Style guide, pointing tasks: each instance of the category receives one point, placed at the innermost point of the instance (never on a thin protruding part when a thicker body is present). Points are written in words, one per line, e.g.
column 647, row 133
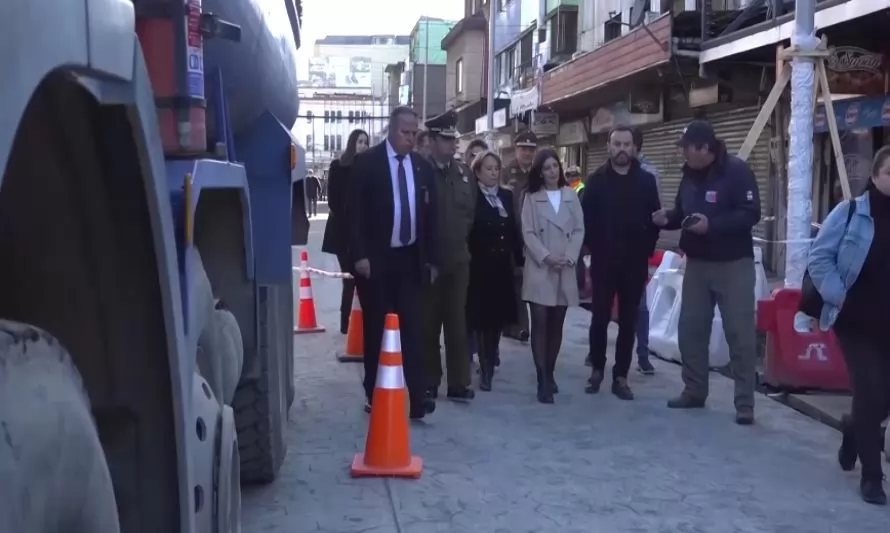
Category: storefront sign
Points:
column 500, row 120
column 545, row 124
column 570, row 133
column 624, row 114
column 710, row 94
column 854, row 70
column 855, row 113
column 525, row 100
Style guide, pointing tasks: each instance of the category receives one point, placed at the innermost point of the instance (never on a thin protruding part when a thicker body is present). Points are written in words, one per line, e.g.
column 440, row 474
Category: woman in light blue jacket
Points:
column 849, row 264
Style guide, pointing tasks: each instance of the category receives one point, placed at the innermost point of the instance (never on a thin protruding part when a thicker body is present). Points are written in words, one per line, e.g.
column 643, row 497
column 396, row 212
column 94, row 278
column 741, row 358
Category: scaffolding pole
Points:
column 800, row 143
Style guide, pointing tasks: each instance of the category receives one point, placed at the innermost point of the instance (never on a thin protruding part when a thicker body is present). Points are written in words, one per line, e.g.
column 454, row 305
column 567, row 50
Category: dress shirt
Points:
column 391, row 154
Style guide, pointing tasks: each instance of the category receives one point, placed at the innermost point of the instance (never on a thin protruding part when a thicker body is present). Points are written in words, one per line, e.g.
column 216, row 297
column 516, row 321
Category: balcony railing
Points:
column 720, row 18
column 523, row 76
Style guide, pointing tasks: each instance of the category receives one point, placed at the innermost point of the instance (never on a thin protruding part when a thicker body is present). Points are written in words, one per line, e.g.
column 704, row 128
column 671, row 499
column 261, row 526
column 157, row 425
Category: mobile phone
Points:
column 690, row 221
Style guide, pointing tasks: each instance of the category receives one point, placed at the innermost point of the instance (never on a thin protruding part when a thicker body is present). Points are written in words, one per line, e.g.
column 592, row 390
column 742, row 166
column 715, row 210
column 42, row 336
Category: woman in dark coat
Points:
column 335, row 233
column 496, row 255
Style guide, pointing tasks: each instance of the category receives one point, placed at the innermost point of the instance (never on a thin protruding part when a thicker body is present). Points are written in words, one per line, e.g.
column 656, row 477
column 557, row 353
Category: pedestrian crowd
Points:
column 469, row 249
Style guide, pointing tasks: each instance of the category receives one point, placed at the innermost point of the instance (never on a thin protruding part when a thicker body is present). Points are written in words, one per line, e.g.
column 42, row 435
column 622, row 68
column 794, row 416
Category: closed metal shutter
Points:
column 596, row 153
column 660, row 147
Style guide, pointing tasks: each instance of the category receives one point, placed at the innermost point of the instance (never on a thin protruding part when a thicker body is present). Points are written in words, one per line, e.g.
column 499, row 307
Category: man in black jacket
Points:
column 717, row 204
column 393, row 241
column 619, row 199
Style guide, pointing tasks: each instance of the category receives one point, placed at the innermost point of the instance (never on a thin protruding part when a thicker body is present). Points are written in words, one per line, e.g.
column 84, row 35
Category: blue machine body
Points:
column 251, row 86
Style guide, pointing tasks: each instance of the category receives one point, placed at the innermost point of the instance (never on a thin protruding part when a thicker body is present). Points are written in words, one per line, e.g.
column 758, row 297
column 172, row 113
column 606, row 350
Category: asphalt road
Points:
column 587, row 464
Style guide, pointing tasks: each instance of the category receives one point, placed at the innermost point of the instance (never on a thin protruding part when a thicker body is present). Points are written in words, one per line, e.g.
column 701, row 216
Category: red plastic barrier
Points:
column 810, row 360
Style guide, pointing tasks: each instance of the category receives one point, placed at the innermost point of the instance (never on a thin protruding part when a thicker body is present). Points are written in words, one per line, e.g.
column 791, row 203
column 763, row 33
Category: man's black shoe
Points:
column 685, row 401
column 461, row 393
column 368, row 406
column 872, row 491
column 594, row 382
column 621, row 390
column 744, row 417
column 523, row 335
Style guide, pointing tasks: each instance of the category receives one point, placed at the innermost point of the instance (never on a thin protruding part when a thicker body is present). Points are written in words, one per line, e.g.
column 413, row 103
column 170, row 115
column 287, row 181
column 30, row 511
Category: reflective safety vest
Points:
column 579, row 186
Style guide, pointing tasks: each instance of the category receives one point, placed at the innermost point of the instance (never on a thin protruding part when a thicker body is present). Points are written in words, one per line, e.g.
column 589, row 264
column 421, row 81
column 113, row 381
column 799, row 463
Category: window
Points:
column 309, row 116
column 327, row 116
column 459, row 76
column 327, row 143
column 339, row 143
column 612, row 28
column 351, row 117
column 565, row 32
column 309, row 142
column 339, row 116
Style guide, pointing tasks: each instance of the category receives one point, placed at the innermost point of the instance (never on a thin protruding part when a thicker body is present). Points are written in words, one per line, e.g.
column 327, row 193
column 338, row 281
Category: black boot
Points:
column 551, row 373
column 486, row 373
column 545, row 391
column 846, row 455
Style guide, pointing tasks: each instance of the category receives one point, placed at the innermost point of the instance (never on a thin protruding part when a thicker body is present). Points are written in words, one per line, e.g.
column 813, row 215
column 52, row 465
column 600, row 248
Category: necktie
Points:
column 405, row 219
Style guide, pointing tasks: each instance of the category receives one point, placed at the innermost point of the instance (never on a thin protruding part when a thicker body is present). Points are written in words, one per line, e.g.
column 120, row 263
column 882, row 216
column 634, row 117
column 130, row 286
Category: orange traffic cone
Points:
column 306, row 322
column 388, row 448
column 355, row 342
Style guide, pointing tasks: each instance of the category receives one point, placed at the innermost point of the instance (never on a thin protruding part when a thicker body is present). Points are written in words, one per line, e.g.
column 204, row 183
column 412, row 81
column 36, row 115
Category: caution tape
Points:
column 323, row 273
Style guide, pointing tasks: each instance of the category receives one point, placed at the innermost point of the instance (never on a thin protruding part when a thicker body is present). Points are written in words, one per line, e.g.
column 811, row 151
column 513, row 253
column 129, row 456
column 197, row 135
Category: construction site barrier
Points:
column 665, row 293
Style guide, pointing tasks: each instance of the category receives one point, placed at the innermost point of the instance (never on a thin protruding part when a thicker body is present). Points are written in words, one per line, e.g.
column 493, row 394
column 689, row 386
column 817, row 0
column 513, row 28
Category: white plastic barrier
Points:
column 664, row 313
column 670, row 261
column 665, row 299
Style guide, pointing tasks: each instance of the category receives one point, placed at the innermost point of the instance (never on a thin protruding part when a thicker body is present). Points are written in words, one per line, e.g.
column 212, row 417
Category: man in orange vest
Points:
column 575, row 179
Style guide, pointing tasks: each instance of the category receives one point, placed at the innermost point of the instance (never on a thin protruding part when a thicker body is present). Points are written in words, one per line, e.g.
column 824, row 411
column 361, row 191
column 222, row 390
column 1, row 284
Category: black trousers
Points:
column 625, row 280
column 868, row 363
column 313, row 206
column 348, row 290
column 394, row 287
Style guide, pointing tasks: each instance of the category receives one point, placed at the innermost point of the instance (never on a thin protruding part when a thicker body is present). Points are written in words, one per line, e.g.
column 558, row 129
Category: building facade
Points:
column 427, row 60
column 326, row 121
column 347, row 87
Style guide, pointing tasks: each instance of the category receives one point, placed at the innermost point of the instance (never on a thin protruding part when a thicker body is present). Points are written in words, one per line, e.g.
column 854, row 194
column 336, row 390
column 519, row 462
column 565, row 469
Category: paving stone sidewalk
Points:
column 587, row 464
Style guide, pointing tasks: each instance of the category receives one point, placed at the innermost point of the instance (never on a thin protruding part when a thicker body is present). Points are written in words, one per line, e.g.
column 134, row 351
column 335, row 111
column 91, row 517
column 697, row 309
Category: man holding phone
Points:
column 717, row 205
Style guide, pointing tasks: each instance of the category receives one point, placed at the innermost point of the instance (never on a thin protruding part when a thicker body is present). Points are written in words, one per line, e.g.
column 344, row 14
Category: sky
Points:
column 368, row 17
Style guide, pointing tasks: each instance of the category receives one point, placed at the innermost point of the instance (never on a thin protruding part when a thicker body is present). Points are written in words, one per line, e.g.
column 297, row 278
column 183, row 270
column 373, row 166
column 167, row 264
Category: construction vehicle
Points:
column 151, row 192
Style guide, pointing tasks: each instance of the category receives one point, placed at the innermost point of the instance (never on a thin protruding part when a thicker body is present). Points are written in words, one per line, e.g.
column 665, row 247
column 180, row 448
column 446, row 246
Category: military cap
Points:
column 573, row 170
column 443, row 125
column 525, row 139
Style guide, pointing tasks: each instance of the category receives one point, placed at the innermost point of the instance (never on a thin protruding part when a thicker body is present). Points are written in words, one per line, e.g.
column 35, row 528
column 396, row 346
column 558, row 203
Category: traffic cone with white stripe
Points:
column 388, row 447
column 306, row 321
column 355, row 340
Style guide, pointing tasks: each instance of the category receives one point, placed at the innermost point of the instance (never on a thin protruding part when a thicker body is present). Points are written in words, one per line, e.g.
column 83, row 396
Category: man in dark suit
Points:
column 393, row 243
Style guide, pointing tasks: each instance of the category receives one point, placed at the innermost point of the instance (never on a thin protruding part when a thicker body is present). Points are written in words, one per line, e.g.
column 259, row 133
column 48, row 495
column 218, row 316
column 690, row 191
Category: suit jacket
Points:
column 547, row 232
column 336, row 233
column 372, row 208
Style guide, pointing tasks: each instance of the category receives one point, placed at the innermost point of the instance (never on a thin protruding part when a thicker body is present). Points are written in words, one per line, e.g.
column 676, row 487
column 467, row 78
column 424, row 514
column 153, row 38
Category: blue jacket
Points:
column 730, row 198
column 838, row 253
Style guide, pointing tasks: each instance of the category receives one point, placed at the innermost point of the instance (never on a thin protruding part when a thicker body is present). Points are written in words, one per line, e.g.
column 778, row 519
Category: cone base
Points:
column 360, row 469
column 316, row 329
column 350, row 357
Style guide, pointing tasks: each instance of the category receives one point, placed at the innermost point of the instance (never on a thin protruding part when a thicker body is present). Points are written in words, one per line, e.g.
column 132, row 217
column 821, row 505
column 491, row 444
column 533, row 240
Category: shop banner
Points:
column 855, row 113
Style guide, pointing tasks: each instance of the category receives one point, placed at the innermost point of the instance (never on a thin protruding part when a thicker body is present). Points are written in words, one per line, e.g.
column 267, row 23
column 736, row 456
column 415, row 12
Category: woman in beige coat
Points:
column 553, row 231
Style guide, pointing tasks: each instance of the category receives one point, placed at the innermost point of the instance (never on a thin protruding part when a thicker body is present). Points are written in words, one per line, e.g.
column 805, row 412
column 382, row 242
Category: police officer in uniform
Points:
column 514, row 176
column 444, row 304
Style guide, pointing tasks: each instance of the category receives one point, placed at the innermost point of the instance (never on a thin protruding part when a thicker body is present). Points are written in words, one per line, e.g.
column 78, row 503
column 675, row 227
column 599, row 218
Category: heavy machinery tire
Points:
column 260, row 404
column 53, row 470
column 221, row 354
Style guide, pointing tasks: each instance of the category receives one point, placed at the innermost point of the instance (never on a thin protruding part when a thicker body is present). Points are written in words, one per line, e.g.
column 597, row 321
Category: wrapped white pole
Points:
column 490, row 88
column 800, row 149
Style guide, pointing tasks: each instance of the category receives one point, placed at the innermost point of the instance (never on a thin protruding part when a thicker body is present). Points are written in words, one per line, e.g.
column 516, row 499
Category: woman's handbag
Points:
column 811, row 301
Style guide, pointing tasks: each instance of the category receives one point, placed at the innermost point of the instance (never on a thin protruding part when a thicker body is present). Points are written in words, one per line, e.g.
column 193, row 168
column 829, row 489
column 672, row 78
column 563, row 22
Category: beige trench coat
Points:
column 546, row 232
